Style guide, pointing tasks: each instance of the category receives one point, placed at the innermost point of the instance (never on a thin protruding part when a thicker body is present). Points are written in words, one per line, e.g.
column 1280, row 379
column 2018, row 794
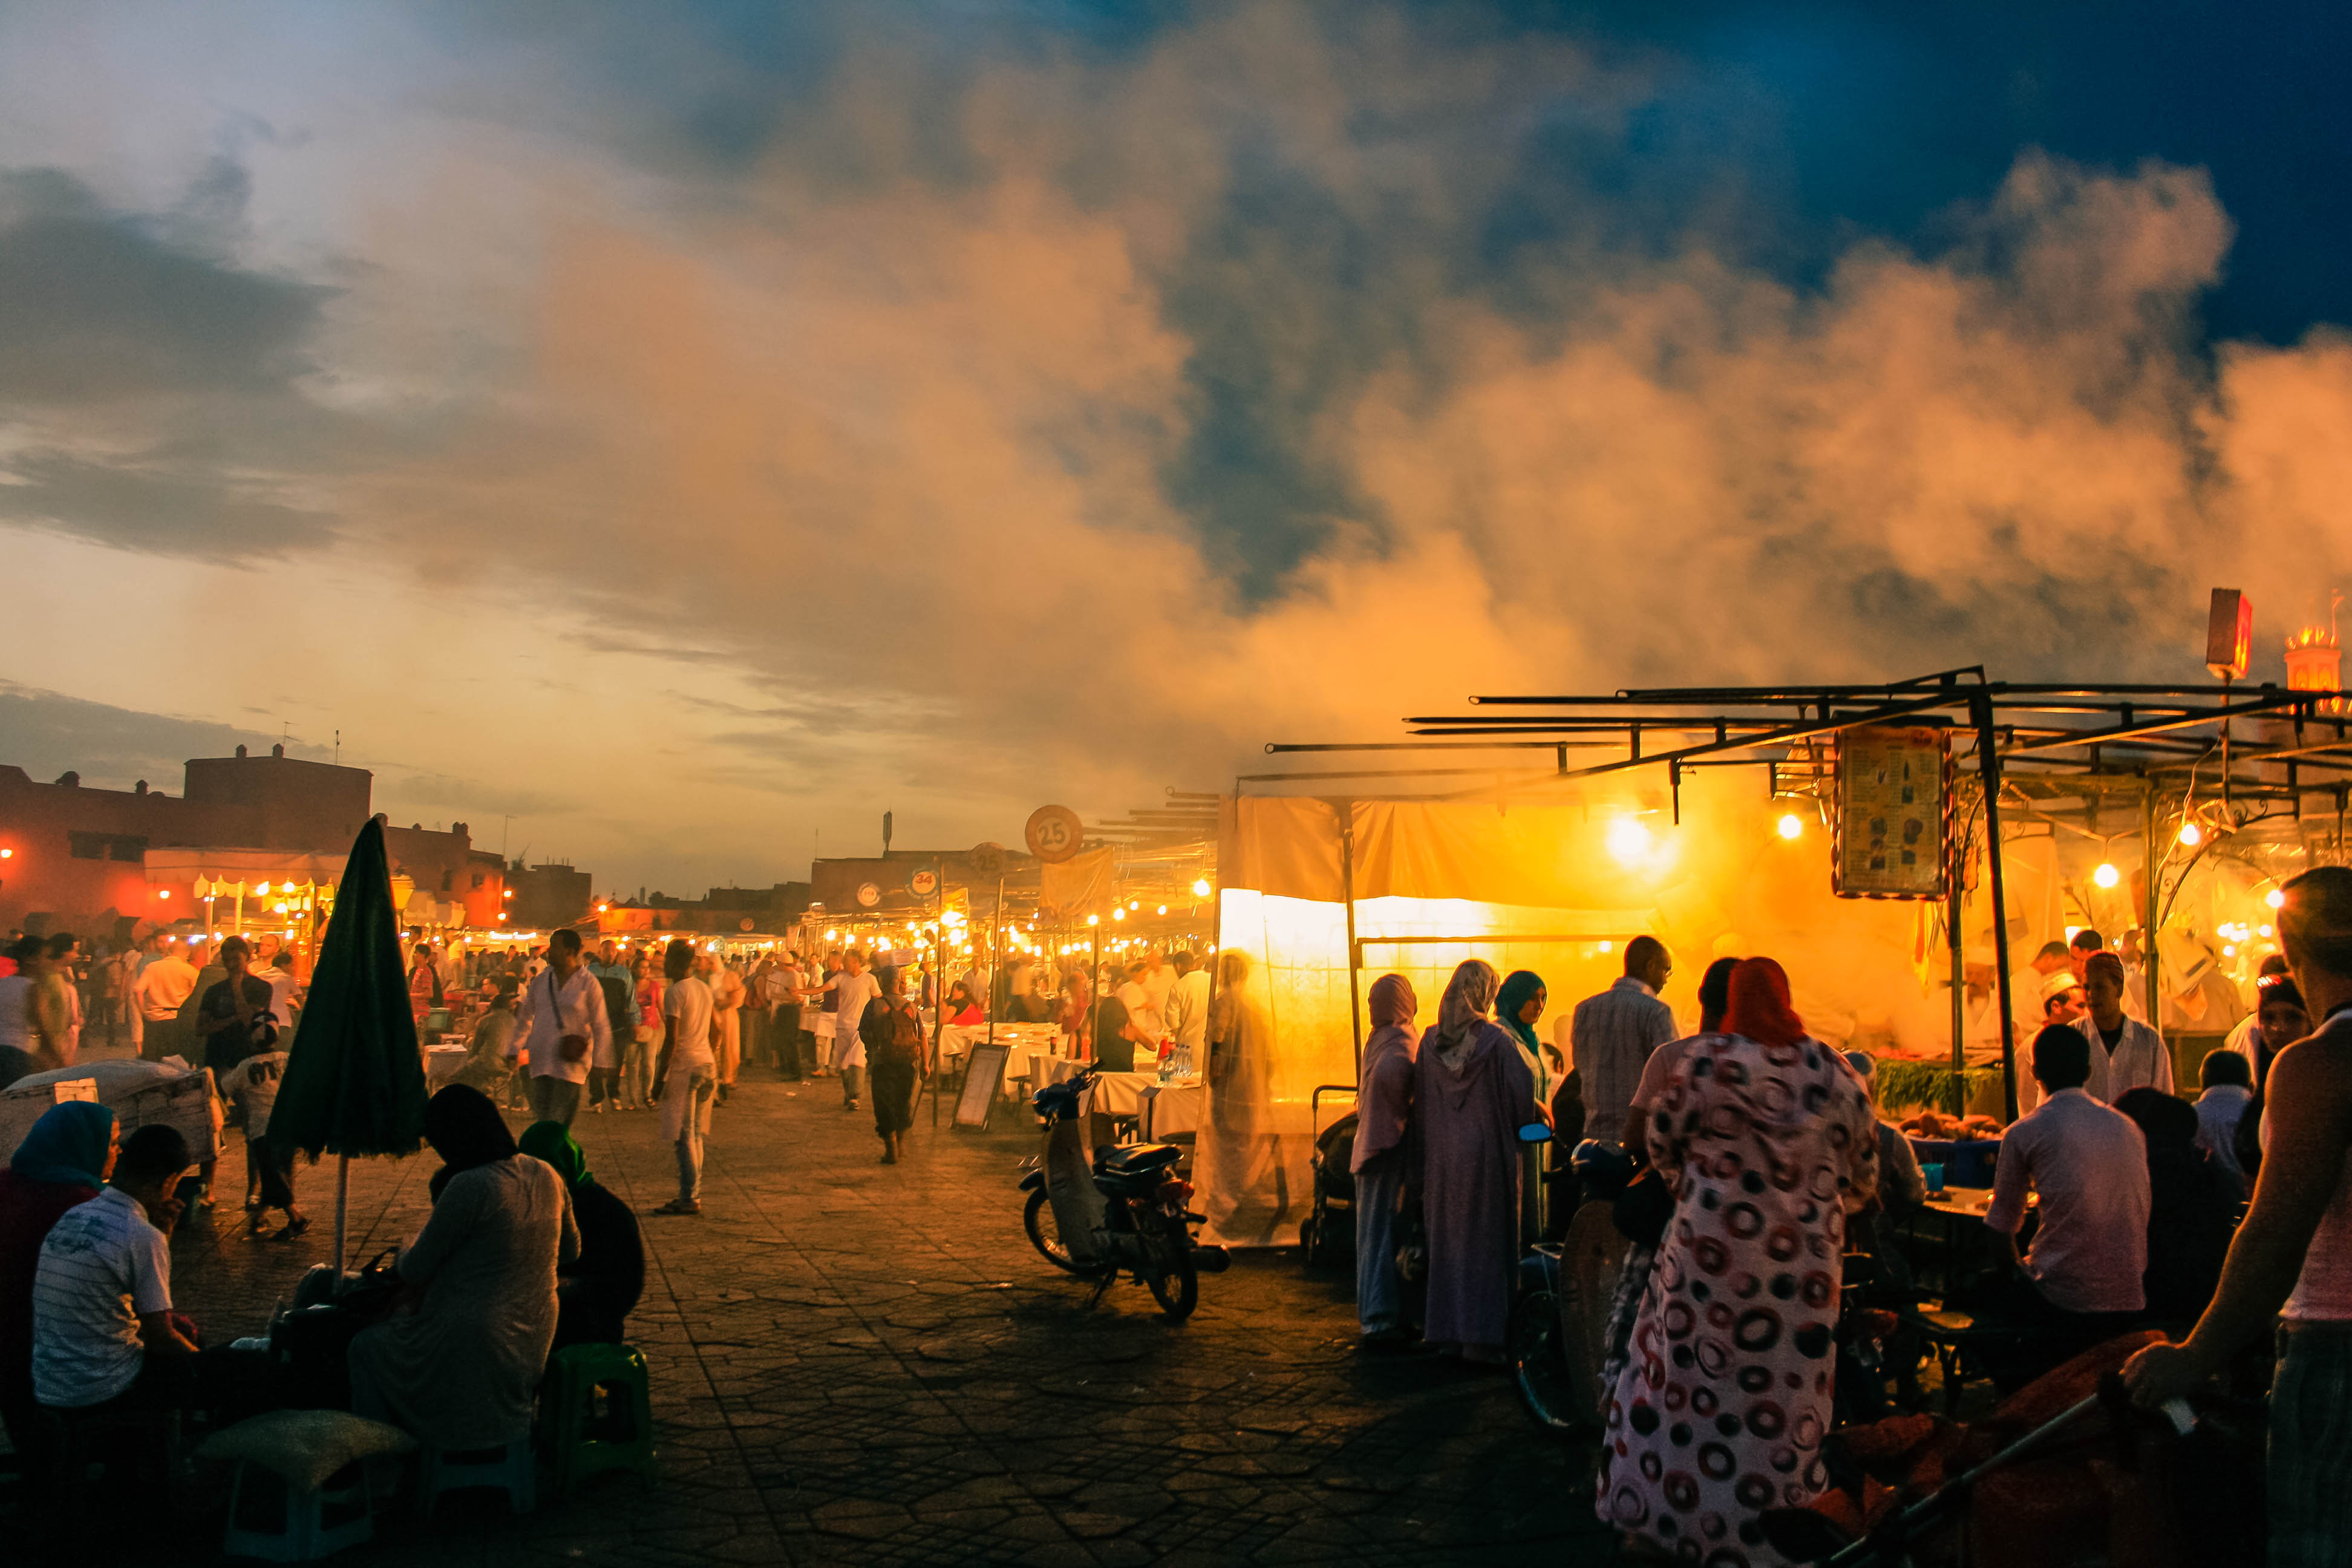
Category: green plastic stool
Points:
column 600, row 1412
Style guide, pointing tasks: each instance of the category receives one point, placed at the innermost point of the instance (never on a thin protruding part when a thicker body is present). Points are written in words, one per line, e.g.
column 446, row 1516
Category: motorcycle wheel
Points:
column 1045, row 1235
column 1540, row 1368
column 1177, row 1284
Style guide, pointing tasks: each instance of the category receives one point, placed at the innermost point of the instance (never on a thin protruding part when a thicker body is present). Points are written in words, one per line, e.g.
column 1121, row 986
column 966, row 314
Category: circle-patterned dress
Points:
column 1720, row 1411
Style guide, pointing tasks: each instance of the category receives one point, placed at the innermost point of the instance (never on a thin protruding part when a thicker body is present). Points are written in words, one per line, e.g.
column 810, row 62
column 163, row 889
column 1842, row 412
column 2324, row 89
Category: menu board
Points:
column 1893, row 822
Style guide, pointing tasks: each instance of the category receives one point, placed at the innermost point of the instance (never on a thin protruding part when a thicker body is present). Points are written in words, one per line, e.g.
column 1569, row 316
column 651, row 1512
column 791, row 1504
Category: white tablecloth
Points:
column 1114, row 1093
column 1173, row 1108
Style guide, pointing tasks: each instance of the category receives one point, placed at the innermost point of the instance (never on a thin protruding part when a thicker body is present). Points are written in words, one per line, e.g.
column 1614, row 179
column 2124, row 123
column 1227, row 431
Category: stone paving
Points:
column 860, row 1362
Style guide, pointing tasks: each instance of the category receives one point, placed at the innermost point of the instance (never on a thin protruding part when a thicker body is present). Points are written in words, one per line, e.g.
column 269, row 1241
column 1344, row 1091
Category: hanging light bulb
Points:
column 1200, row 886
column 1792, row 826
column 1628, row 840
column 2191, row 834
column 2274, row 899
column 2106, row 875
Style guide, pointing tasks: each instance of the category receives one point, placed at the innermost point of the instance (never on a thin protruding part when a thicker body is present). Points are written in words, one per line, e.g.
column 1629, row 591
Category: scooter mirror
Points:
column 1534, row 1132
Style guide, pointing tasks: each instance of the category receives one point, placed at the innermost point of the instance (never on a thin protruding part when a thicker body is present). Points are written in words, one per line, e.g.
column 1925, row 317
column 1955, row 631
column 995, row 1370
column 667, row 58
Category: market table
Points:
column 1949, row 1229
column 1175, row 1108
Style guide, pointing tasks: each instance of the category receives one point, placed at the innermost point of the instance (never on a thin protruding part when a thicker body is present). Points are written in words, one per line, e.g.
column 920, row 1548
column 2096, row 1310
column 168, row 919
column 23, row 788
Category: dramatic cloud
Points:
column 779, row 424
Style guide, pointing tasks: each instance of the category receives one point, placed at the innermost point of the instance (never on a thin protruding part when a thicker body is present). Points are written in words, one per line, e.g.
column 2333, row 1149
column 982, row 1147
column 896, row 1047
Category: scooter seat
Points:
column 1136, row 1159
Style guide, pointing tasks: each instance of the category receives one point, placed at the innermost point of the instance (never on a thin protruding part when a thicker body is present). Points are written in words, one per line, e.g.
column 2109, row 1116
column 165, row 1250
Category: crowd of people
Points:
column 1758, row 1160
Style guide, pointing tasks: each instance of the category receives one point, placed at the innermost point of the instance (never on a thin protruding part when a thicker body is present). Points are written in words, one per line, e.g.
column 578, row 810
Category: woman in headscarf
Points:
column 1383, row 1112
column 1767, row 1137
column 1248, row 1190
column 1517, row 1005
column 1472, row 1093
column 596, row 1292
column 458, row 1361
column 63, row 1162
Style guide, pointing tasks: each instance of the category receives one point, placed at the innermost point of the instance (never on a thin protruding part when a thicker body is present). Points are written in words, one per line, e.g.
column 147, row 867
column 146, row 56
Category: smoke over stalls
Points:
column 917, row 439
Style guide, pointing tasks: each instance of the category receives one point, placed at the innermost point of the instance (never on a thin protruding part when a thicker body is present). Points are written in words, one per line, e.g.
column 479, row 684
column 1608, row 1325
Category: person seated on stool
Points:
column 104, row 1335
column 2088, row 1163
column 595, row 1293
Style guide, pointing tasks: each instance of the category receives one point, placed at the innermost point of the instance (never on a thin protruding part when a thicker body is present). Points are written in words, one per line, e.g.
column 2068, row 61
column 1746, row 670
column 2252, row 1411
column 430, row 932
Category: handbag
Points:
column 311, row 1341
column 570, row 1047
column 1643, row 1207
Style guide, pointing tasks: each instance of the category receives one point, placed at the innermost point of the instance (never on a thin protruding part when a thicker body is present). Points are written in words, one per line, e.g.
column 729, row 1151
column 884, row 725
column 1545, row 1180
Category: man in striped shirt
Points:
column 102, row 1328
column 1612, row 1035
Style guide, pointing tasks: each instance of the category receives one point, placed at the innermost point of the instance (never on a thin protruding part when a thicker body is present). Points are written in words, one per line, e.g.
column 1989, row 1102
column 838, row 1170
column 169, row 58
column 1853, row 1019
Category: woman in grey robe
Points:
column 1383, row 1112
column 1472, row 1093
column 459, row 1361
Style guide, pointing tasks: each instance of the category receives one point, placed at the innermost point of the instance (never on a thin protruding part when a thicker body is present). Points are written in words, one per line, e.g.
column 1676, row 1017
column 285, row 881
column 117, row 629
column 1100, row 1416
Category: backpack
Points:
column 900, row 1035
column 620, row 1008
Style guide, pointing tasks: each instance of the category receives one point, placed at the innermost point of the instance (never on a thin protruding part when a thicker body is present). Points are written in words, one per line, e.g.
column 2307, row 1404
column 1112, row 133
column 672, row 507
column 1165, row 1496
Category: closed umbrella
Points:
column 354, row 1082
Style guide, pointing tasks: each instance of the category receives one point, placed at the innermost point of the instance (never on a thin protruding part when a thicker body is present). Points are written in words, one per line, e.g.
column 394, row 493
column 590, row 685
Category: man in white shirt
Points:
column 2089, row 1165
column 852, row 988
column 1612, row 1035
column 782, row 990
column 2126, row 1054
column 560, row 1030
column 1187, row 1011
column 103, row 1329
column 157, row 996
column 686, row 1074
column 1135, row 995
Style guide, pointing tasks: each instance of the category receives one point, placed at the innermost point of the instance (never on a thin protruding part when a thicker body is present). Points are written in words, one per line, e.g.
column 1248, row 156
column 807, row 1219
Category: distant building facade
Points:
column 80, row 859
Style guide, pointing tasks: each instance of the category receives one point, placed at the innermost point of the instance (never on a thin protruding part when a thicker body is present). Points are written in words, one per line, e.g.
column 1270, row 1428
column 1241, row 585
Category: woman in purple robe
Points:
column 1472, row 1092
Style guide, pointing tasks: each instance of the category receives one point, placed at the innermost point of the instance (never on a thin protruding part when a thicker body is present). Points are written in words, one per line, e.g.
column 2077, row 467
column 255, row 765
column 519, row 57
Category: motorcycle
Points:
column 1561, row 1308
column 1121, row 1210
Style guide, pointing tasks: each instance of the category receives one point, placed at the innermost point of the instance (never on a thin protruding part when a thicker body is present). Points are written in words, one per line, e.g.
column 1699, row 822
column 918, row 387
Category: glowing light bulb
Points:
column 1094, row 919
column 2265, row 931
column 1628, row 840
column 1118, row 915
column 2229, row 952
column 2274, row 899
column 1792, row 827
column 1163, row 909
column 2106, row 875
column 1200, row 886
column 2191, row 834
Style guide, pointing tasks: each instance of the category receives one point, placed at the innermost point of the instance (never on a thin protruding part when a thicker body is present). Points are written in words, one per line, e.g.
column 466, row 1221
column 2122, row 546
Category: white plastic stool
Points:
column 313, row 1524
column 511, row 1467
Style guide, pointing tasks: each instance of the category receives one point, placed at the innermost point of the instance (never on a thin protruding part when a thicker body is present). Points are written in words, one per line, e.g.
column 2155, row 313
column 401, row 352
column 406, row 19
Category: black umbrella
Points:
column 354, row 1080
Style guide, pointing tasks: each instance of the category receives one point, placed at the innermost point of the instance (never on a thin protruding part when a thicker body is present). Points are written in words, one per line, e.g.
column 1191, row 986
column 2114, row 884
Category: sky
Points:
column 667, row 438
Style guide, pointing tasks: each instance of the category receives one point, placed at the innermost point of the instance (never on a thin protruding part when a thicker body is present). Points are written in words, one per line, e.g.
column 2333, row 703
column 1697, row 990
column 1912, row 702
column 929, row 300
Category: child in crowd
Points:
column 252, row 1088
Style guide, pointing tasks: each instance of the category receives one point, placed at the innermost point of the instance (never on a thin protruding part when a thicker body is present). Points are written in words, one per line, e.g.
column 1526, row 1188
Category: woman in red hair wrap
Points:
column 1767, row 1137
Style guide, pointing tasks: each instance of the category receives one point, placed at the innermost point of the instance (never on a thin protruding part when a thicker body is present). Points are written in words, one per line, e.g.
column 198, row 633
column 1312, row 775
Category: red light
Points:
column 163, row 892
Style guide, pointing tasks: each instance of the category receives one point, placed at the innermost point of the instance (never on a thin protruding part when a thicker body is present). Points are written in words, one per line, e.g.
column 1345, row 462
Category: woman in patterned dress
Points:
column 1767, row 1136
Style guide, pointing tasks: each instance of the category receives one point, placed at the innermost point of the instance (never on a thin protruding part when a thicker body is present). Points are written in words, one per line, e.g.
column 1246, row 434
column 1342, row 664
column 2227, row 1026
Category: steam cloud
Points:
column 914, row 420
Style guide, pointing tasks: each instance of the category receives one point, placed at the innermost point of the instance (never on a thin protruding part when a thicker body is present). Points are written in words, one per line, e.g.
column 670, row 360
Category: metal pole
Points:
column 342, row 1215
column 1988, row 764
column 1959, row 1102
column 2149, row 952
column 1354, row 957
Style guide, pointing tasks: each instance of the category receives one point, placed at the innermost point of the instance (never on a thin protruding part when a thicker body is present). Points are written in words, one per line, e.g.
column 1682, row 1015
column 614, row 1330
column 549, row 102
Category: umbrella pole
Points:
column 342, row 1212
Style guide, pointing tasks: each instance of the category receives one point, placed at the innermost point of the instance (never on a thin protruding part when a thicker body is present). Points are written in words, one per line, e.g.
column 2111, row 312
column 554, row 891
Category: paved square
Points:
column 860, row 1362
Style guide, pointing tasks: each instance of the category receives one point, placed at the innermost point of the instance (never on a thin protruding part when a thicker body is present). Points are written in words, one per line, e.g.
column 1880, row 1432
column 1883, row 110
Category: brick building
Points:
column 78, row 860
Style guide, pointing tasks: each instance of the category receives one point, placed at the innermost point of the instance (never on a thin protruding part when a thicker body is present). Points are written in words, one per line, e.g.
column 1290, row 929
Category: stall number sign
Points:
column 923, row 883
column 1894, row 816
column 1054, row 834
column 868, row 895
